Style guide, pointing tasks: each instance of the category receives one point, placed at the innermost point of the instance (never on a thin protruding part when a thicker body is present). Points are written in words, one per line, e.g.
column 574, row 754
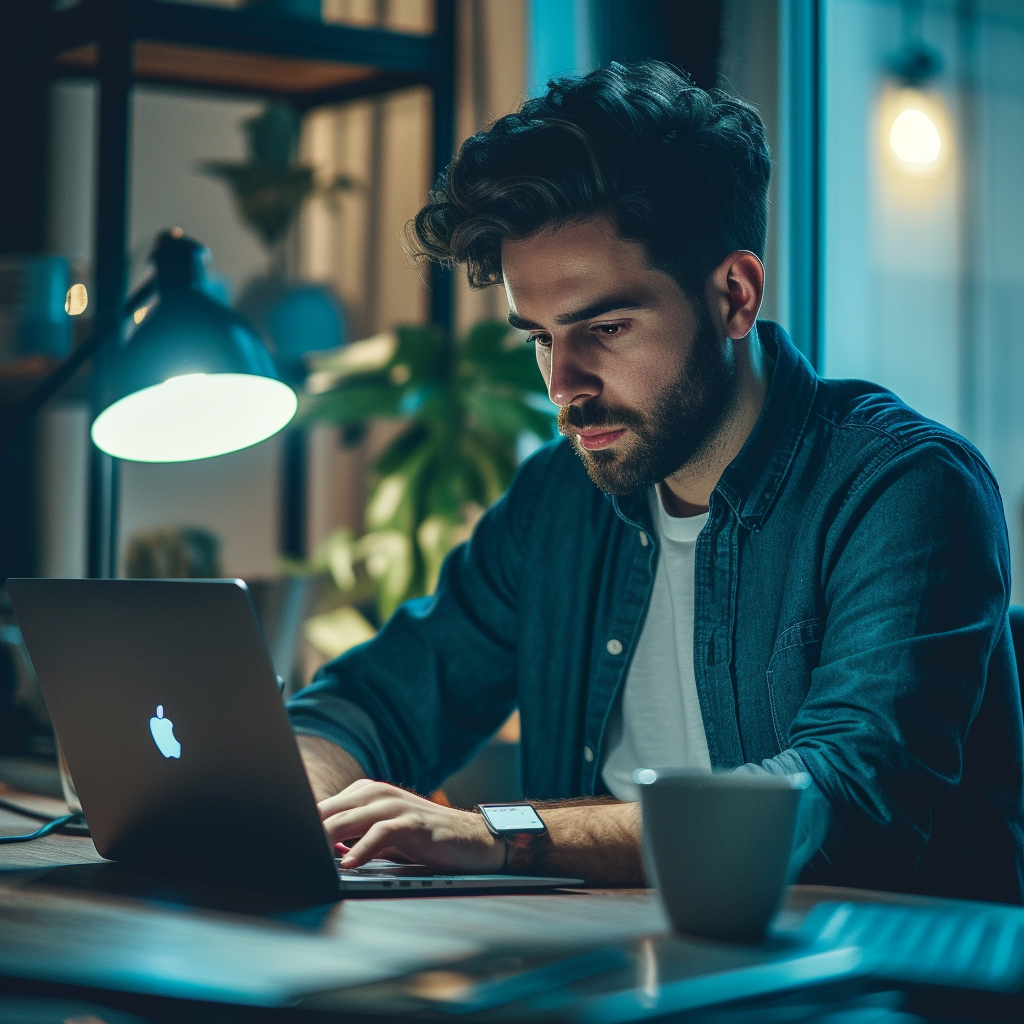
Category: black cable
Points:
column 50, row 826
column 24, row 811
column 51, row 823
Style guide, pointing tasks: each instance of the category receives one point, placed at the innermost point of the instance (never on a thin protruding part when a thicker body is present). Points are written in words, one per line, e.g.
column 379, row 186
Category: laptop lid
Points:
column 166, row 706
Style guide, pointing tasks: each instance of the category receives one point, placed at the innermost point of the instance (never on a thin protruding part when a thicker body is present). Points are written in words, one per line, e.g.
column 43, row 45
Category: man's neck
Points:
column 688, row 491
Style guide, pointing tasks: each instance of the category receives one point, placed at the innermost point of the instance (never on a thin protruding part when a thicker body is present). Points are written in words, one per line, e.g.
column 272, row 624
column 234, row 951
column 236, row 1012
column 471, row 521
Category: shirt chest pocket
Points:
column 797, row 653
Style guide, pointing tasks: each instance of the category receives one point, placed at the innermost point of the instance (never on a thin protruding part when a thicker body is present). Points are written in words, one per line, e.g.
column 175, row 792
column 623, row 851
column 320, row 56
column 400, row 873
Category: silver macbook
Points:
column 166, row 707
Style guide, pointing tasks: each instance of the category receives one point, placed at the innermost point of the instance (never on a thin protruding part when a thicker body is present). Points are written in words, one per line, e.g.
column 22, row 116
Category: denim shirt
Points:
column 851, row 593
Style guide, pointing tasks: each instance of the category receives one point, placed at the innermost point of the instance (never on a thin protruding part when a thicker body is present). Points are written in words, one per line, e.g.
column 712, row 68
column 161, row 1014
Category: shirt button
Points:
column 588, row 754
column 643, row 539
column 614, row 646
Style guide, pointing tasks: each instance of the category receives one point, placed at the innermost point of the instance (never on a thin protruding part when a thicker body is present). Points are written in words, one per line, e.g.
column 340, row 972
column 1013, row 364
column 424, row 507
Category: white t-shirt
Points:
column 656, row 720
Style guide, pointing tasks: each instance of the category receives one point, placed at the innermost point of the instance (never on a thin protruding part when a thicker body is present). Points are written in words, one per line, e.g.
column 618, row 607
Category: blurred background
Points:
column 294, row 139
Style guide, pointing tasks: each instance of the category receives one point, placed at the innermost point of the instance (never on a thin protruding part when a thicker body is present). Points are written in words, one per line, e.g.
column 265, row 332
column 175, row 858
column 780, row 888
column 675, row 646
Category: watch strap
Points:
column 523, row 850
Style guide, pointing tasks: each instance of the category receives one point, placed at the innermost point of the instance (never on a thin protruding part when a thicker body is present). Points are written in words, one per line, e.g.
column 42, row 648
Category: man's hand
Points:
column 373, row 819
column 597, row 839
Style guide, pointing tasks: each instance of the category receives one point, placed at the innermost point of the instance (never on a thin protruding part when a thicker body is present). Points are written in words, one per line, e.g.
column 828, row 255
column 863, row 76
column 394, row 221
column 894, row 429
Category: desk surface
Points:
column 70, row 918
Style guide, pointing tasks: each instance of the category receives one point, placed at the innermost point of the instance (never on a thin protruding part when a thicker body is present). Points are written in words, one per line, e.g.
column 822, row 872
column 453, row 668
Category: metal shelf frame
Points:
column 101, row 39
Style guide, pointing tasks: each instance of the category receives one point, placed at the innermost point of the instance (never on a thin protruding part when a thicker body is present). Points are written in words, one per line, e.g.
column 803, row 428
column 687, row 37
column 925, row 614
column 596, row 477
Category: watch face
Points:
column 512, row 817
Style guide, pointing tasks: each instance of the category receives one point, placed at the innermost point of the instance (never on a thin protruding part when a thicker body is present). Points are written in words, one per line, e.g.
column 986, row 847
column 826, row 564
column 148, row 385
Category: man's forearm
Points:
column 329, row 768
column 598, row 841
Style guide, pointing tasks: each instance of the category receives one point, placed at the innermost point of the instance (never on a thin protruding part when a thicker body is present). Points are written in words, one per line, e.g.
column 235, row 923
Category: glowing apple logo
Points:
column 163, row 732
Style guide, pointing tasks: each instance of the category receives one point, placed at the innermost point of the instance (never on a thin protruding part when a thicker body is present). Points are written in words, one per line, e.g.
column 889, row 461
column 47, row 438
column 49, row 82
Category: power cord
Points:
column 52, row 824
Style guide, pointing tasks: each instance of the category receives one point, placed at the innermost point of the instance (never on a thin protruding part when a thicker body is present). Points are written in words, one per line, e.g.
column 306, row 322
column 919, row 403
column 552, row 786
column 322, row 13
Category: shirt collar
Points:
column 752, row 481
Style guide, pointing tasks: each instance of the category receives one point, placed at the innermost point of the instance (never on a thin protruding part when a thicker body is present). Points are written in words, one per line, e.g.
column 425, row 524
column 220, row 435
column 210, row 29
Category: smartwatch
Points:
column 519, row 825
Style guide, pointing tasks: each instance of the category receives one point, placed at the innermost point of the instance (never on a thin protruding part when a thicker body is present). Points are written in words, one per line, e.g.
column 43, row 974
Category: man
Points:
column 730, row 564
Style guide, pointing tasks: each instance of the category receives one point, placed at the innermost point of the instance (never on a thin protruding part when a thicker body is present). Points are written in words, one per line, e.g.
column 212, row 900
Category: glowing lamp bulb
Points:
column 914, row 137
column 194, row 416
column 77, row 300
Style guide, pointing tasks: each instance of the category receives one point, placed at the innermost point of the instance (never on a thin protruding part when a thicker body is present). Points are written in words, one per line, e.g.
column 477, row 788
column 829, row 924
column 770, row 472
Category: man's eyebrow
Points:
column 598, row 308
column 523, row 325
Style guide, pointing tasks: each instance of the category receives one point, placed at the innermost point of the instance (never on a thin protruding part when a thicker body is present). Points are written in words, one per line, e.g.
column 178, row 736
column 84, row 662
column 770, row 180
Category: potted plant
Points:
column 269, row 189
column 464, row 409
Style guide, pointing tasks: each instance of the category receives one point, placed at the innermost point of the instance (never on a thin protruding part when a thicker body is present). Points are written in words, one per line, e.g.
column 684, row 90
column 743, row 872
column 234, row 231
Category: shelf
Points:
column 18, row 378
column 249, row 51
column 205, row 67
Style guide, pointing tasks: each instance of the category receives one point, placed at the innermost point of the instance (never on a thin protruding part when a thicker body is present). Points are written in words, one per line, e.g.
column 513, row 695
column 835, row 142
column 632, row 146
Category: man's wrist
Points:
column 522, row 833
column 525, row 852
column 496, row 850
column 329, row 768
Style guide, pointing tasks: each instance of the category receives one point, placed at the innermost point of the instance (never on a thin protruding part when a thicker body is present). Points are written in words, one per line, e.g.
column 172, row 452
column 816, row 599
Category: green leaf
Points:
column 509, row 416
column 492, row 463
column 423, row 349
column 387, row 554
column 415, row 475
column 449, row 487
column 494, row 353
column 367, row 356
column 335, row 632
column 487, row 340
column 436, row 537
column 353, row 404
column 403, row 448
column 519, row 373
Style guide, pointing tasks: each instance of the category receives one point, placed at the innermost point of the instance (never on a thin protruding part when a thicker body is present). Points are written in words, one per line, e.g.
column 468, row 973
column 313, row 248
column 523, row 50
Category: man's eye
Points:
column 609, row 330
column 540, row 339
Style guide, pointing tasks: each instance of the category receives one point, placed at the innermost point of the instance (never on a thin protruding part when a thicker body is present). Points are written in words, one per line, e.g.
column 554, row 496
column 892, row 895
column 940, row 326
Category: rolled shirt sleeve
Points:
column 813, row 814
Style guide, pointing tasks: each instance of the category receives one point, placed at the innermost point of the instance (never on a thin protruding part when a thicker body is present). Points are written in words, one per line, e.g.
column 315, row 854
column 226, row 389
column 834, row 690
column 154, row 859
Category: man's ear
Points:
column 734, row 291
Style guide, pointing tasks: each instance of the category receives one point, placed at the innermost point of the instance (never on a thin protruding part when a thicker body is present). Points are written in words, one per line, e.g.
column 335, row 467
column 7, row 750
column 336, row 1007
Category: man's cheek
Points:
column 543, row 363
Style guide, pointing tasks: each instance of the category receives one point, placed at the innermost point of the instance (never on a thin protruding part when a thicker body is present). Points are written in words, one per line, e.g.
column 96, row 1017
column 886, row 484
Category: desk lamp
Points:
column 194, row 380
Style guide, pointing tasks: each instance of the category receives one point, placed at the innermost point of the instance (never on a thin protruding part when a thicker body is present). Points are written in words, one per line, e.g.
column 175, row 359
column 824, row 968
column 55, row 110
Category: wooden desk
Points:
column 70, row 923
column 59, row 885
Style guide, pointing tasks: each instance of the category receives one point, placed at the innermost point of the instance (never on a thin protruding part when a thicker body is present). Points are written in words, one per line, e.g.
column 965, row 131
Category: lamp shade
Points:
column 194, row 380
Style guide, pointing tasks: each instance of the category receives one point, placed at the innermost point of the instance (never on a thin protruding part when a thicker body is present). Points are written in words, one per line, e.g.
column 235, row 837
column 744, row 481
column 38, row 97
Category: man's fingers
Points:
column 382, row 836
column 356, row 822
column 358, row 794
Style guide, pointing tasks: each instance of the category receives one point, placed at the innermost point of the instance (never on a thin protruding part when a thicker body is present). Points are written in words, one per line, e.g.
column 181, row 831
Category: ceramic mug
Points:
column 717, row 846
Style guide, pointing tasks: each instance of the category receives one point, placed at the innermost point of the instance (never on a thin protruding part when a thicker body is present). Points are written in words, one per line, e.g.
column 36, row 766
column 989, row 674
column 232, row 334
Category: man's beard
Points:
column 678, row 426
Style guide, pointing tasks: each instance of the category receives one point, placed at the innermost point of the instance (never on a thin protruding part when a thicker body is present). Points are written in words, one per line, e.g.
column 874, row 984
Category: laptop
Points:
column 167, row 709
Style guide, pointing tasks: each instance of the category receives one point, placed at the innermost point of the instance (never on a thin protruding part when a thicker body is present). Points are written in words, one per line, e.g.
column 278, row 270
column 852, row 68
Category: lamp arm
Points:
column 67, row 369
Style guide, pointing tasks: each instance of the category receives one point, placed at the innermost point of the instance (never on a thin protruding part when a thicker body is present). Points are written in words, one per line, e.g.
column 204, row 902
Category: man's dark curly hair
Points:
column 681, row 170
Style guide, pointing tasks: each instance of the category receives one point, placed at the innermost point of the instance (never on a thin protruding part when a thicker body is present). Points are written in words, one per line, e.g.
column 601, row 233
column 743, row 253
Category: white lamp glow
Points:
column 194, row 416
column 915, row 138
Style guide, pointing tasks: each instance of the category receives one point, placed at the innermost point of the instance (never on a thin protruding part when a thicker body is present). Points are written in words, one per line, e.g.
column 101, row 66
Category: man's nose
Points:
column 571, row 381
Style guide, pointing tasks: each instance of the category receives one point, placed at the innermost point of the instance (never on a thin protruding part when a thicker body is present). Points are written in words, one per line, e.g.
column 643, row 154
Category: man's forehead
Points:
column 573, row 272
column 592, row 235
column 572, row 264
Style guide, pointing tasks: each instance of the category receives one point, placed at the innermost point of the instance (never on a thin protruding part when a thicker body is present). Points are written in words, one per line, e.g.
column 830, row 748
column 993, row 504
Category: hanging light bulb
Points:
column 914, row 136
column 913, row 117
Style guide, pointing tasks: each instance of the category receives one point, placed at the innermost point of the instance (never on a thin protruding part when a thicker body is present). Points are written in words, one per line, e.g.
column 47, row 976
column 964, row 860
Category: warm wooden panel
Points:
column 20, row 377
column 226, row 69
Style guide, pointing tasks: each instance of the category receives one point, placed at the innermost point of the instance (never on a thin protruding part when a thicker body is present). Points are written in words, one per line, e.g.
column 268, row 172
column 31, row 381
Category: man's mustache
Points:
column 593, row 414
